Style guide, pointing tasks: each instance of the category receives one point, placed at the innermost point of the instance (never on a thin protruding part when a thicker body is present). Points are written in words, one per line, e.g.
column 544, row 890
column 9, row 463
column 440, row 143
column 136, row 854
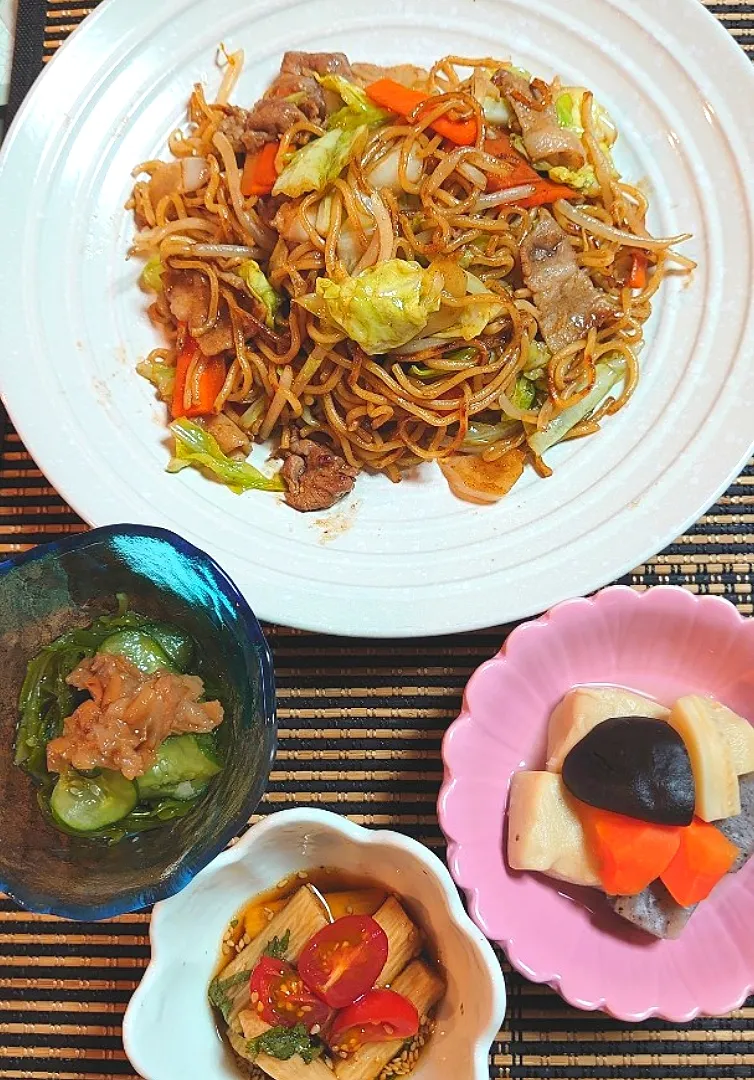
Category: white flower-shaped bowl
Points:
column 169, row 1029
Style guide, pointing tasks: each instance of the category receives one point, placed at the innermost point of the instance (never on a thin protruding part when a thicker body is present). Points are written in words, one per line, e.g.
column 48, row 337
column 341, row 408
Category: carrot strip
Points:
column 630, row 854
column 638, row 276
column 521, row 172
column 210, row 381
column 703, row 858
column 399, row 99
column 546, row 194
column 259, row 172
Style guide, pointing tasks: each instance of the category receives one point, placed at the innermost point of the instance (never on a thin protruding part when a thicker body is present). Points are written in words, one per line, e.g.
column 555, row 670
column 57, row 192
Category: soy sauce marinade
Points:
column 113, row 728
column 295, row 959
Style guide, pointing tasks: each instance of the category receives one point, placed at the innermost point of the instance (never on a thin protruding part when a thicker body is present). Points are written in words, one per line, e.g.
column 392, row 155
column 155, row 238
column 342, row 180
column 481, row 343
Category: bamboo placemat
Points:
column 360, row 729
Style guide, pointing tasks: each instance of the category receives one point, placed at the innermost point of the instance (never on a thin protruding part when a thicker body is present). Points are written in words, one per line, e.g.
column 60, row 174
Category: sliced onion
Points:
column 503, row 198
column 350, row 246
column 194, row 173
column 386, row 173
column 288, row 223
column 177, row 177
column 618, row 236
column 321, row 220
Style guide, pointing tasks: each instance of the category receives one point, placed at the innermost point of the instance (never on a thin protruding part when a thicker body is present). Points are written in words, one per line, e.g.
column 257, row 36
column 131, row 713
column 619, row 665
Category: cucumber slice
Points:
column 88, row 803
column 177, row 644
column 181, row 770
column 141, row 649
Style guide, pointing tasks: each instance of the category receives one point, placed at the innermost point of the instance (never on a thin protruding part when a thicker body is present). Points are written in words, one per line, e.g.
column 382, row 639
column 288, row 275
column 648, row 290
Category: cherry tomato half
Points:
column 280, row 997
column 380, row 1016
column 344, row 960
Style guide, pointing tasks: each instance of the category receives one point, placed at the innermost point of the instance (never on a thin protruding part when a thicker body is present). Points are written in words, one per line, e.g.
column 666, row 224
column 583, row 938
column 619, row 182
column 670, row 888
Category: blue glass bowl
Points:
column 58, row 586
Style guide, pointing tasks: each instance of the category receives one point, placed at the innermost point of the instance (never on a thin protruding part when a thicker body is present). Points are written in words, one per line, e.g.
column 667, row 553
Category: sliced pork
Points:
column 187, row 293
column 128, row 716
column 315, row 476
column 567, row 301
column 405, row 74
column 316, row 63
column 544, row 139
column 229, row 436
column 247, row 130
column 188, row 296
column 309, row 95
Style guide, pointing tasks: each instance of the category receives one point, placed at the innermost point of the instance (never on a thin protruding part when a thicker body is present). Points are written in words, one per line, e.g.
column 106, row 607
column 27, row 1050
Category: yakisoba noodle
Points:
column 458, row 212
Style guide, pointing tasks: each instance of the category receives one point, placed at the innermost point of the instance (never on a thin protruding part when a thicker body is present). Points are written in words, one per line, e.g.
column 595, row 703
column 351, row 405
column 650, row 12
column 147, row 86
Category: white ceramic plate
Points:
column 390, row 560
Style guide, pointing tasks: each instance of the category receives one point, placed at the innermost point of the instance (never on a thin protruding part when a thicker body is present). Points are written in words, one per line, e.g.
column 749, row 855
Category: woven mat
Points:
column 360, row 731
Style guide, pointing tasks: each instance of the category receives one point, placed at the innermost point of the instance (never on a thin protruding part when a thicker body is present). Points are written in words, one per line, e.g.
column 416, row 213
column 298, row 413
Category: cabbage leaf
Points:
column 568, row 106
column 318, row 163
column 161, row 376
column 358, row 108
column 256, row 282
column 151, row 276
column 609, row 372
column 471, row 319
column 381, row 308
column 195, row 446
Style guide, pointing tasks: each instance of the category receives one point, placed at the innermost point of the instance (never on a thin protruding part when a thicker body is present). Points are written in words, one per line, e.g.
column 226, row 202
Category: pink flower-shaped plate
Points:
column 665, row 643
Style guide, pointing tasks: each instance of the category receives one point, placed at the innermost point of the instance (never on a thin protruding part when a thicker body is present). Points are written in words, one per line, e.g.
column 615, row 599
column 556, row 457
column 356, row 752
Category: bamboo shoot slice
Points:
column 545, row 832
column 717, row 790
column 302, row 917
column 737, row 733
column 421, row 985
column 294, row 1068
column 583, row 708
column 403, row 937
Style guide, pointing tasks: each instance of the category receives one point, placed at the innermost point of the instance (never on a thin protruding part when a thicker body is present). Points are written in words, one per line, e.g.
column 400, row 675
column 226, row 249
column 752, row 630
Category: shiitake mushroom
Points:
column 633, row 765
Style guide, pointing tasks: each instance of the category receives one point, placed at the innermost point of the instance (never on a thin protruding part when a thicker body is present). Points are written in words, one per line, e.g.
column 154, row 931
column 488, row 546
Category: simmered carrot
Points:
column 703, row 858
column 402, row 100
column 630, row 854
column 211, row 379
column 259, row 172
